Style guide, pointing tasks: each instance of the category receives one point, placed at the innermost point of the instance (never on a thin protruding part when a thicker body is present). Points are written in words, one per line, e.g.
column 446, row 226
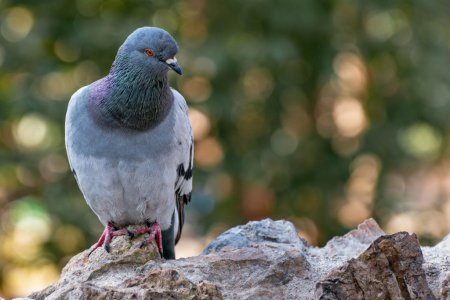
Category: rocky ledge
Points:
column 264, row 260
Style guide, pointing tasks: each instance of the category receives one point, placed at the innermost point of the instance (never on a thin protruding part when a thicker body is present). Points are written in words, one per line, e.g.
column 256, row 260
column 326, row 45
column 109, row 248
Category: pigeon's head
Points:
column 149, row 50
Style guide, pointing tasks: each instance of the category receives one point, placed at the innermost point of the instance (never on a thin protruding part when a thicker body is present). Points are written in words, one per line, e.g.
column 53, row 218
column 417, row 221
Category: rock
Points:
column 391, row 268
column 254, row 261
column 280, row 234
column 356, row 241
column 437, row 268
column 114, row 276
column 263, row 260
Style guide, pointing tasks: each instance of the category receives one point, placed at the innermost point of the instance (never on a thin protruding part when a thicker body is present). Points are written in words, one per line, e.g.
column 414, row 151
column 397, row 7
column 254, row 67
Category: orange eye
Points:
column 149, row 52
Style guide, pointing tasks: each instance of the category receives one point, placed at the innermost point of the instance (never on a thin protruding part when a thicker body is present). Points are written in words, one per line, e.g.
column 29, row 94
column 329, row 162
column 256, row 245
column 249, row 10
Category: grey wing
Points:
column 68, row 129
column 185, row 137
column 70, row 164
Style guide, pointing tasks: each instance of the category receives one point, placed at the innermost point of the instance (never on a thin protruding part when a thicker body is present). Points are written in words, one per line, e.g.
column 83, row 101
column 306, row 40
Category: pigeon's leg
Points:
column 155, row 230
column 109, row 232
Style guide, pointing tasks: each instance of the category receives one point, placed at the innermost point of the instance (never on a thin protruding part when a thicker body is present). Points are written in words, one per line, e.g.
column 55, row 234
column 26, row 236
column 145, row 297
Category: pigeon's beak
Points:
column 172, row 63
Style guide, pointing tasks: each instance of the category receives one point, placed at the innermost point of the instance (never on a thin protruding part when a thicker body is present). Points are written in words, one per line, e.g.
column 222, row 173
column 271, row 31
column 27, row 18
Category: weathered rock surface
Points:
column 437, row 268
column 120, row 275
column 263, row 260
column 391, row 268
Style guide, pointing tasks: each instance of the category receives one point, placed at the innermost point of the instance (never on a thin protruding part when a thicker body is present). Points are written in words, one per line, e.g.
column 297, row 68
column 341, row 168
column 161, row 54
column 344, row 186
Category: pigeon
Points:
column 130, row 143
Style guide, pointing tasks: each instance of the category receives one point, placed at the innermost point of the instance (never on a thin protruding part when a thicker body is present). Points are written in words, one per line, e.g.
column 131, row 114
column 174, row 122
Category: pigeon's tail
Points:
column 168, row 238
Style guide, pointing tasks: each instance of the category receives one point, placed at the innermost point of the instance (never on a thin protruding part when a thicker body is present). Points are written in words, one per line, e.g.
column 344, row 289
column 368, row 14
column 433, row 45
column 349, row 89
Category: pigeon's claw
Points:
column 109, row 232
column 100, row 241
column 155, row 232
column 131, row 234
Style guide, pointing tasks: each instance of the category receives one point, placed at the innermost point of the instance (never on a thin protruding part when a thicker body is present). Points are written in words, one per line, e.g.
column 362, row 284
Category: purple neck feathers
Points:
column 130, row 101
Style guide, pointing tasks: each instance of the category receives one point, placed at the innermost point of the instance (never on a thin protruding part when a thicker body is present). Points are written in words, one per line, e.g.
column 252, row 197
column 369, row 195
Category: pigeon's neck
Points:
column 131, row 101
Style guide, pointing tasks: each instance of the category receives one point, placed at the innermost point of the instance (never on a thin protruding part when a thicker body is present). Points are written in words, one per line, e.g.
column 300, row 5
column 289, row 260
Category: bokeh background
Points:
column 323, row 113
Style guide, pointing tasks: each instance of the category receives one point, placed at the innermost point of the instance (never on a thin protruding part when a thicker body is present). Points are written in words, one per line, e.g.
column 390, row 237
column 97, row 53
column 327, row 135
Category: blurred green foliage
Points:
column 321, row 112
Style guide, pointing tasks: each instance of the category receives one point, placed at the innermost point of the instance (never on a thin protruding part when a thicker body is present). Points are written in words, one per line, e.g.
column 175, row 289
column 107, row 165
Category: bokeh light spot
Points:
column 25, row 280
column 196, row 89
column 204, row 66
column 380, row 26
column 353, row 213
column 66, row 52
column 201, row 125
column 257, row 202
column 28, row 225
column 57, row 86
column 349, row 117
column 429, row 222
column 420, row 140
column 351, row 72
column 17, row 24
column 53, row 167
column 32, row 230
column 208, row 153
column 360, row 191
column 25, row 176
column 258, row 83
column 400, row 222
column 31, row 131
column 69, row 239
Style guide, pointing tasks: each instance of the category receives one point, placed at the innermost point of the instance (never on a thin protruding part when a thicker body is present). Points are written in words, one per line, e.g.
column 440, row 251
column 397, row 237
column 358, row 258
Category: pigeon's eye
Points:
column 149, row 52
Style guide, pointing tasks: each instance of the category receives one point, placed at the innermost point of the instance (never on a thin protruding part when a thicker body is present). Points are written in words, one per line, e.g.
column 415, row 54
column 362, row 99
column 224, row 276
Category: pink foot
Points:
column 155, row 230
column 109, row 232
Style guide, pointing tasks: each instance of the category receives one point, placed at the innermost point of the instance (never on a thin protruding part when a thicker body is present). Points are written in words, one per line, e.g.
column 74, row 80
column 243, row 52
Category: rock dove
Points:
column 130, row 143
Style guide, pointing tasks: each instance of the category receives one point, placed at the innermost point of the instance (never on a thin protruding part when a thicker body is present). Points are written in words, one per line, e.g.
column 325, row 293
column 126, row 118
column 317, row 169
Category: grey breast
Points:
column 126, row 177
